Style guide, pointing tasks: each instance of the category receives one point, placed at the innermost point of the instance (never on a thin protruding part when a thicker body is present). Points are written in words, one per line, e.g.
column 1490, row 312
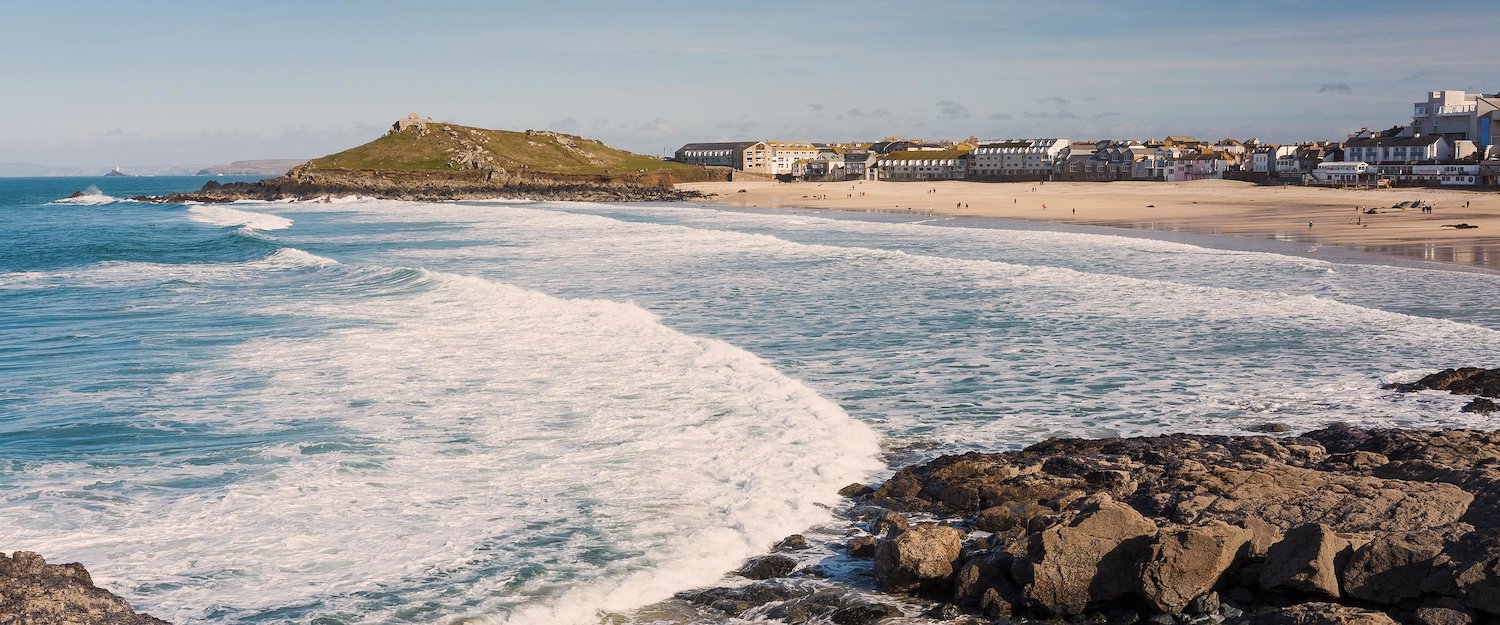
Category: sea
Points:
column 367, row 411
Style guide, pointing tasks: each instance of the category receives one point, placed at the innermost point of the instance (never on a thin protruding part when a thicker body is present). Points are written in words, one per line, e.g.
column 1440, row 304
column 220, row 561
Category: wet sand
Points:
column 1219, row 207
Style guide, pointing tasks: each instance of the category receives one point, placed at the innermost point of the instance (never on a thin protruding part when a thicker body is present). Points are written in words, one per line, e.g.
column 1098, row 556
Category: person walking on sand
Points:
column 1309, row 225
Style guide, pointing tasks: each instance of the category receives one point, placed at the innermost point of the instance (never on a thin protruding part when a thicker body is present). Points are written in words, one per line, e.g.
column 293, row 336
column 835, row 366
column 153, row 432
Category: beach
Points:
column 1316, row 215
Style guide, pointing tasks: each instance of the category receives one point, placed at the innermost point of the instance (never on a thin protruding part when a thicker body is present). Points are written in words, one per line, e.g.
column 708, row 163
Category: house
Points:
column 923, row 165
column 1339, row 173
column 741, row 155
column 783, row 157
column 1017, row 159
column 1396, row 149
column 1263, row 159
column 1203, row 165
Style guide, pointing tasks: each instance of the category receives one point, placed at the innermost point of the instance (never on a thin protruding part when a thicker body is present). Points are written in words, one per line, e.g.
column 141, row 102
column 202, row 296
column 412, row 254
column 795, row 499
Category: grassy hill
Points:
column 451, row 150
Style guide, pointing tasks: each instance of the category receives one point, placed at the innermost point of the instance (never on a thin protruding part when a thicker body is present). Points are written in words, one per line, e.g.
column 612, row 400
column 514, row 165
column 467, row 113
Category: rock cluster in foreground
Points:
column 1340, row 525
column 36, row 593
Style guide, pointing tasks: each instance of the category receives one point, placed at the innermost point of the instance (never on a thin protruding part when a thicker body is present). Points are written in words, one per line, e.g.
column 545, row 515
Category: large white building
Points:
column 1457, row 116
column 1017, row 158
column 784, row 155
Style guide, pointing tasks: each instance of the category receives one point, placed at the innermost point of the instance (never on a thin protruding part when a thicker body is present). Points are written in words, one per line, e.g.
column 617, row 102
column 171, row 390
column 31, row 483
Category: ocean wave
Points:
column 218, row 215
column 483, row 431
column 92, row 196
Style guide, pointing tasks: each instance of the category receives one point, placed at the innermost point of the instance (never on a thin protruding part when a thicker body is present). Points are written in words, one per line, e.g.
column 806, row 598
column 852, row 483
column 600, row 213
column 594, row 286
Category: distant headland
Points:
column 421, row 159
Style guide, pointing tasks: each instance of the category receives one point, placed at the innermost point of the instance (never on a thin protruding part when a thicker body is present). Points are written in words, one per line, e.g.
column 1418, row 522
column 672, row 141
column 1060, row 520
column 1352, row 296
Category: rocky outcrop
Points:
column 473, row 182
column 1339, row 525
column 1460, row 381
column 36, row 593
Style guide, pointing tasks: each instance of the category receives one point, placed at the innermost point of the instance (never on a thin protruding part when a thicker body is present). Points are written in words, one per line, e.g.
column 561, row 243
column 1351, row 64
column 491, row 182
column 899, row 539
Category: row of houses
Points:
column 1449, row 141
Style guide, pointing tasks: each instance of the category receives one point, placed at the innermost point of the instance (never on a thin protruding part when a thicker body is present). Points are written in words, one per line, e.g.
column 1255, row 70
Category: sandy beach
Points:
column 1221, row 207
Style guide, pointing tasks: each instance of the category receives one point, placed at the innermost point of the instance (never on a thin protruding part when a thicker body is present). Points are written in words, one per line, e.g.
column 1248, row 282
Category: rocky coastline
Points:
column 310, row 184
column 1337, row 526
column 1340, row 525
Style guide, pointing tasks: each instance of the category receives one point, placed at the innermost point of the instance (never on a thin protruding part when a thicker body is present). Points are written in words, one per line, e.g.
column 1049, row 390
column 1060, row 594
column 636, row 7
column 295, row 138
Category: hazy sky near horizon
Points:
column 181, row 83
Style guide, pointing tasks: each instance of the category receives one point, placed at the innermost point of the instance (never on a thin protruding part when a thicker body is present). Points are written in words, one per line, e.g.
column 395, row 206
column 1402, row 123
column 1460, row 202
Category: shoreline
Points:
column 1217, row 208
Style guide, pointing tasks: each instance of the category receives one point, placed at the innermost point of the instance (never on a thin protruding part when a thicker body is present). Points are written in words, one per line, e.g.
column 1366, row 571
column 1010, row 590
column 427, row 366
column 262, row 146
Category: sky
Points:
column 186, row 83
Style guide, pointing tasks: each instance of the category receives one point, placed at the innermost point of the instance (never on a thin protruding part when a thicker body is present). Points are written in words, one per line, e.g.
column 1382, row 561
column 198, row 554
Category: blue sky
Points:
column 172, row 83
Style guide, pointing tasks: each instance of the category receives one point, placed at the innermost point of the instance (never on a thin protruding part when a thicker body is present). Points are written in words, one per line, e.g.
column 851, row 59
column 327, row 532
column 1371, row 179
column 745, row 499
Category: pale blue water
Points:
column 370, row 412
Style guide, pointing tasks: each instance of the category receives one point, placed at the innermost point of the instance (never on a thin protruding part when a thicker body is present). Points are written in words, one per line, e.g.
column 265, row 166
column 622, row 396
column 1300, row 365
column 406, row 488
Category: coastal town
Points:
column 1449, row 142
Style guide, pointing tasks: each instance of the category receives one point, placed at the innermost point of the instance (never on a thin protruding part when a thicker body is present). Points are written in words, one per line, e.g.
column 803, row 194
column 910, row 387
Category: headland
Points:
column 424, row 160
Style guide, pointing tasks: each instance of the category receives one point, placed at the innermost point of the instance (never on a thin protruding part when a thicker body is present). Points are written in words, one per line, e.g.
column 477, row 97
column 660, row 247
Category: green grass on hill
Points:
column 517, row 152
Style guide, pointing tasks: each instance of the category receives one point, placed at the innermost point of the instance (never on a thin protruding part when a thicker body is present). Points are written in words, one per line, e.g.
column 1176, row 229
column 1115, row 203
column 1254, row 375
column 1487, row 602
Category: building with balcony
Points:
column 783, row 156
column 1017, row 159
column 1457, row 116
column 1388, row 149
column 923, row 165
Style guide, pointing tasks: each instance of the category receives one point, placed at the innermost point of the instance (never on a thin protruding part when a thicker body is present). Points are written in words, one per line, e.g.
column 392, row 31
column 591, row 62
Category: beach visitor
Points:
column 1309, row 224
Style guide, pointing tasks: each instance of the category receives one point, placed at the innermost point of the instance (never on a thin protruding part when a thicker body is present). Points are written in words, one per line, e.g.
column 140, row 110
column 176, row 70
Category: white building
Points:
column 1017, row 158
column 923, row 165
column 1263, row 159
column 1338, row 172
column 1397, row 149
column 783, row 156
column 1457, row 116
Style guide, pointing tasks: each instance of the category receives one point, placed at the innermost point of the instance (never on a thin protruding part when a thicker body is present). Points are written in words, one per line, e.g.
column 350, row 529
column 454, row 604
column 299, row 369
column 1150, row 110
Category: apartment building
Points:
column 1017, row 159
column 923, row 165
column 742, row 155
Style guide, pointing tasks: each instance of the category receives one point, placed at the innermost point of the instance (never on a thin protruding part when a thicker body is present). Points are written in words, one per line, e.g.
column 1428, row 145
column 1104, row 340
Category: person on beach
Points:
column 1309, row 225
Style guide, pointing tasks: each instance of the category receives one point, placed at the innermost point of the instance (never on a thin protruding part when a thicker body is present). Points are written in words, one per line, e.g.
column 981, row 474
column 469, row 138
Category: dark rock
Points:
column 855, row 490
column 33, row 592
column 795, row 542
column 1306, row 561
column 862, row 547
column 943, row 612
column 923, row 557
column 1316, row 614
column 1268, row 428
column 1441, row 616
column 887, row 523
column 1460, row 381
column 737, row 600
column 1480, row 405
column 767, row 567
column 863, row 614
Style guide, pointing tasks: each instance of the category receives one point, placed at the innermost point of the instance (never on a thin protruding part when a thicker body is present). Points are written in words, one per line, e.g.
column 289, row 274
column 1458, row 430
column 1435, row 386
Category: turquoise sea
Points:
column 366, row 411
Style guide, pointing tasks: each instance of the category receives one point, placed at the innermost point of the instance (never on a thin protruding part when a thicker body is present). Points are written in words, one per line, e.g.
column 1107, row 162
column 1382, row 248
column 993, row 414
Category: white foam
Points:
column 220, row 215
column 476, row 420
column 92, row 196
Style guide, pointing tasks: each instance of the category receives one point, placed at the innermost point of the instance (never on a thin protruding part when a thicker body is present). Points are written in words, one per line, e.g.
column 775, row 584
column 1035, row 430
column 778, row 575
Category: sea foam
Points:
column 471, row 431
column 224, row 216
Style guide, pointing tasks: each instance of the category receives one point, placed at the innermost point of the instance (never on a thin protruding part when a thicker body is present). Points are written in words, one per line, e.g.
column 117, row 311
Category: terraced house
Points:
column 924, row 165
column 1017, row 159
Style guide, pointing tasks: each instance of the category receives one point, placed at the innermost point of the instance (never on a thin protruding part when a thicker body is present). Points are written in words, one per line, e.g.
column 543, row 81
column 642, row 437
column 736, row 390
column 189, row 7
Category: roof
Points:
column 728, row 145
column 918, row 155
column 1393, row 142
